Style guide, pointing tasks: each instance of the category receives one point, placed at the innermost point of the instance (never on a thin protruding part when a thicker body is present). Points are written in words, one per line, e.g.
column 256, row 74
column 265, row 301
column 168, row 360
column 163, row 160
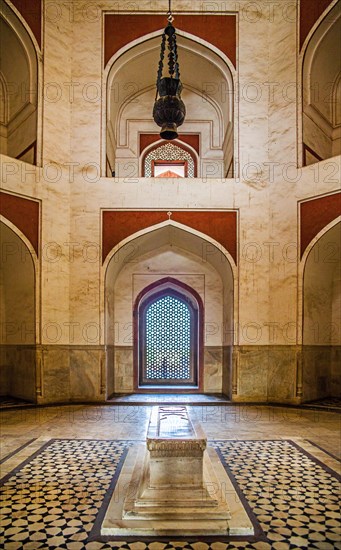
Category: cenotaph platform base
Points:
column 174, row 484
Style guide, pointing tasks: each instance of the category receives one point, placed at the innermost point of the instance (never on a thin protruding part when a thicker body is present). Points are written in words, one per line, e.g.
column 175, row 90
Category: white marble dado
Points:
column 71, row 374
column 321, row 375
column 265, row 373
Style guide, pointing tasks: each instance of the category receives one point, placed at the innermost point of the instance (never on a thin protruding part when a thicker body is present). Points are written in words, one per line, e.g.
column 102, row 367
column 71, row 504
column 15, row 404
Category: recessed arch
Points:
column 301, row 272
column 153, row 245
column 19, row 313
column 22, row 74
column 187, row 229
column 320, row 73
column 219, row 101
column 321, row 306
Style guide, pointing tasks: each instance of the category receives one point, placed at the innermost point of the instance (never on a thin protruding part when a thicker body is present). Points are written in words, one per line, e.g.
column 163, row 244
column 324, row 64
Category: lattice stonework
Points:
column 168, row 152
column 168, row 340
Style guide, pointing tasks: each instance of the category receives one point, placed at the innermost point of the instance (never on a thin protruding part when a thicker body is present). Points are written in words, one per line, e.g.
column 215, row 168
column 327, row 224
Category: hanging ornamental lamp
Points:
column 169, row 110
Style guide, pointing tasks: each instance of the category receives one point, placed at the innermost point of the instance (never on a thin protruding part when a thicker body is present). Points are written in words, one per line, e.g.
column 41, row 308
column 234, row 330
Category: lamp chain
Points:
column 162, row 55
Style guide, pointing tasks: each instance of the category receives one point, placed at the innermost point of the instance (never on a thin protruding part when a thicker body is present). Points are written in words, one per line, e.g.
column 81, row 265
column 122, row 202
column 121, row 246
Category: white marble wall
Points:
column 265, row 190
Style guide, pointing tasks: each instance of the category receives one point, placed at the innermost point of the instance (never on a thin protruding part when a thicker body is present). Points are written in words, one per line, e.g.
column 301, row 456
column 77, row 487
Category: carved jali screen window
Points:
column 166, row 159
column 168, row 327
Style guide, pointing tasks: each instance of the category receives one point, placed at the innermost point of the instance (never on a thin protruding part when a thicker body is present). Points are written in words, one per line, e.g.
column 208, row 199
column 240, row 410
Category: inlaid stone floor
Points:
column 59, row 467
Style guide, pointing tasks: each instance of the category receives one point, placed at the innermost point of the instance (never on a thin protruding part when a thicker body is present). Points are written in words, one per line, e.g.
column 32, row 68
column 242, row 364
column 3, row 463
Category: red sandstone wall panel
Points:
column 31, row 12
column 310, row 11
column 316, row 214
column 219, row 30
column 120, row 224
column 24, row 214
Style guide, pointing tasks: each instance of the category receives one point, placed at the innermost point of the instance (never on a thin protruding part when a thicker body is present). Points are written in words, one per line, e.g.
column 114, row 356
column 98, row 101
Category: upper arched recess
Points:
column 207, row 77
column 321, row 82
column 19, row 88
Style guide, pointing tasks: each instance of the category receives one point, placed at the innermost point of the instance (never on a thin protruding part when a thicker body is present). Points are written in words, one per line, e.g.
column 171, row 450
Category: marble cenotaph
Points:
column 174, row 484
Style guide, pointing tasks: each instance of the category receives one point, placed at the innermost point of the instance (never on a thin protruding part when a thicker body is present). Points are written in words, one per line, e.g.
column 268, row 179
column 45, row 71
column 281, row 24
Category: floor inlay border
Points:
column 324, row 450
column 56, row 498
column 16, row 451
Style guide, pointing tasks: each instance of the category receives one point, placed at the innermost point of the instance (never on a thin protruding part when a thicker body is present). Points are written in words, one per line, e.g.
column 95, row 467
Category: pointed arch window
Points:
column 168, row 328
column 169, row 160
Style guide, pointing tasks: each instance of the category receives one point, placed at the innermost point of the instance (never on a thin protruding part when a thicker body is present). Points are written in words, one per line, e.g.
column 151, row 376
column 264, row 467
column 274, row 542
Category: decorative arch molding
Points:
column 116, row 248
column 23, row 238
column 36, row 270
column 125, row 251
column 30, row 14
column 135, row 96
column 169, row 286
column 313, row 121
column 24, row 35
column 4, row 111
column 315, row 214
column 30, row 42
column 219, row 227
column 220, row 59
column 311, row 16
column 336, row 101
column 315, row 37
column 204, row 26
column 147, row 140
column 316, row 238
column 301, row 272
column 24, row 214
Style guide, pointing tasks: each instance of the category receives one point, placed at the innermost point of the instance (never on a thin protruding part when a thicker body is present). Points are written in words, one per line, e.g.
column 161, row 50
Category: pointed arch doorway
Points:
column 168, row 335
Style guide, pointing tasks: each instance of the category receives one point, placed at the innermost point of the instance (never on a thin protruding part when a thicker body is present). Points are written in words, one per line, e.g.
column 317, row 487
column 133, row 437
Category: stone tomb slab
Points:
column 174, row 485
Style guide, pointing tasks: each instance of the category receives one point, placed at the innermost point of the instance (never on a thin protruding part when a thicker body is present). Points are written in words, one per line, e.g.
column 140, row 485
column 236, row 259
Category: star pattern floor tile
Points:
column 55, row 498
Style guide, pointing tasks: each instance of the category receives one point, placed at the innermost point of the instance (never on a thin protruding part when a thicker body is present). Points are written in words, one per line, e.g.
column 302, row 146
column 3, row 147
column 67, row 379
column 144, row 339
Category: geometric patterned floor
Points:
column 57, row 497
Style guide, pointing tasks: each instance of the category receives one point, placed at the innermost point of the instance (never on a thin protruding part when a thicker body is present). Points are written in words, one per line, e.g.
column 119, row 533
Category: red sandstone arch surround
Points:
column 191, row 296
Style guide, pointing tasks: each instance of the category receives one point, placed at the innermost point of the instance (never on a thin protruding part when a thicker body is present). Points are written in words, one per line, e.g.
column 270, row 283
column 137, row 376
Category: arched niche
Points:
column 168, row 337
column 322, row 317
column 19, row 69
column 321, row 70
column 208, row 80
column 18, row 316
column 169, row 250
